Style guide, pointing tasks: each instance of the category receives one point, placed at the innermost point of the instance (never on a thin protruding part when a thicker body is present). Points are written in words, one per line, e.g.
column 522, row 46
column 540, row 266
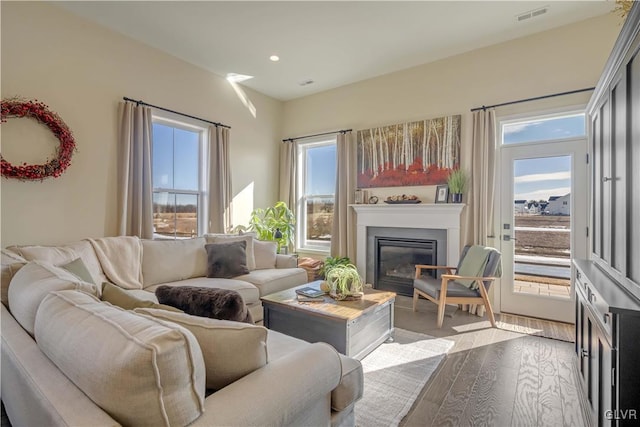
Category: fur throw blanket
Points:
column 223, row 304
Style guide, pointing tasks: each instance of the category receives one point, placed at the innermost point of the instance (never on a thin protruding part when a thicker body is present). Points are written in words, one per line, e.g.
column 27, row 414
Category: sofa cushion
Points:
column 221, row 304
column 226, row 260
column 128, row 300
column 270, row 281
column 265, row 253
column 32, row 283
column 11, row 263
column 63, row 254
column 172, row 260
column 141, row 371
column 247, row 238
column 231, row 350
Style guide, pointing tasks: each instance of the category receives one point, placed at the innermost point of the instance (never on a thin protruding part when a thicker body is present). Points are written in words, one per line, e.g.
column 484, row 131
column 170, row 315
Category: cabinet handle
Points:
column 592, row 298
column 584, row 354
column 606, row 178
column 607, row 317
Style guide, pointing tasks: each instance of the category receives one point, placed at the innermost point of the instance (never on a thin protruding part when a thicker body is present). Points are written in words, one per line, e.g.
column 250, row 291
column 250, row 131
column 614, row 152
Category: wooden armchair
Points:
column 449, row 289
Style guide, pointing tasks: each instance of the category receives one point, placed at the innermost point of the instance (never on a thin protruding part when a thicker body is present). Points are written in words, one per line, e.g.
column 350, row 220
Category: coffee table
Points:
column 354, row 328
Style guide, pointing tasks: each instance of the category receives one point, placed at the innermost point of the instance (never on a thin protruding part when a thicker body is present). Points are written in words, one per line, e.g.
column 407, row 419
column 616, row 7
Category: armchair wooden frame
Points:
column 483, row 299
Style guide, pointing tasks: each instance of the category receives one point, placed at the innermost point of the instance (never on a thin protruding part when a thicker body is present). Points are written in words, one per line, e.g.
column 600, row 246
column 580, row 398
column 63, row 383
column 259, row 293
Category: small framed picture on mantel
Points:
column 442, row 194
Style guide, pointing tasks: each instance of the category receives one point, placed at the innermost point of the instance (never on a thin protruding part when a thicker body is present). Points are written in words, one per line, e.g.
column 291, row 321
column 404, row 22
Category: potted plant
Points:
column 331, row 262
column 344, row 282
column 275, row 223
column 457, row 183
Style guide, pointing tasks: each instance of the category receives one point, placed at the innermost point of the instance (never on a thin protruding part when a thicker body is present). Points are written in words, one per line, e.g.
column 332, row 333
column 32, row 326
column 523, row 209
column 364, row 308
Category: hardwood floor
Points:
column 492, row 377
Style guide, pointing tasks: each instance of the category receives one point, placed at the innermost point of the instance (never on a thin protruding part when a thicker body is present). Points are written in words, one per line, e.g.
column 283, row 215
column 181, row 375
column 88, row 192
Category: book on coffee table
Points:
column 310, row 292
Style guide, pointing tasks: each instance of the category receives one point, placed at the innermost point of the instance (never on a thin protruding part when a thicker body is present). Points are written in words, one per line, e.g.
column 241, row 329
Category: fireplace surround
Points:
column 437, row 222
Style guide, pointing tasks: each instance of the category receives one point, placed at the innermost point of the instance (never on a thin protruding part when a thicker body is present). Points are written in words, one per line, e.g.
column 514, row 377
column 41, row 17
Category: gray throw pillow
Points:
column 226, row 260
column 78, row 268
column 223, row 304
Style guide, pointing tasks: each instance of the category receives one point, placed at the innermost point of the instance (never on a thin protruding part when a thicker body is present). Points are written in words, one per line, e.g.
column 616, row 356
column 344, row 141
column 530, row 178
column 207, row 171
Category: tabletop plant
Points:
column 457, row 183
column 344, row 282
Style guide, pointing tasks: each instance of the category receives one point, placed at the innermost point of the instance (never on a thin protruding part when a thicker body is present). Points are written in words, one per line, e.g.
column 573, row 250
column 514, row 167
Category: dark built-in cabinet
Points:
column 607, row 287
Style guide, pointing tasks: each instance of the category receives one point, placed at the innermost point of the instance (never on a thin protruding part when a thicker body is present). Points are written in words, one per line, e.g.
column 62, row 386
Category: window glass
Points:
column 544, row 129
column 317, row 178
column 177, row 195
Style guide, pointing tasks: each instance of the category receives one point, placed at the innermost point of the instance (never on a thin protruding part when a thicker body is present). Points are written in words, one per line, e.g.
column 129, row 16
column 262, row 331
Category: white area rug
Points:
column 394, row 375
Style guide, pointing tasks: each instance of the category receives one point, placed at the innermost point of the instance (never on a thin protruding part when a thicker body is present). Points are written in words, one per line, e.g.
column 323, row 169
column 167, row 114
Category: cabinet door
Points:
column 605, row 405
column 633, row 167
column 615, row 182
column 605, row 181
column 596, row 182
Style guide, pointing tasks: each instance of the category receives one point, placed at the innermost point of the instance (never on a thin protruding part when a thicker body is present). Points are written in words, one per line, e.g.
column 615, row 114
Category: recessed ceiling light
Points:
column 235, row 77
column 274, row 58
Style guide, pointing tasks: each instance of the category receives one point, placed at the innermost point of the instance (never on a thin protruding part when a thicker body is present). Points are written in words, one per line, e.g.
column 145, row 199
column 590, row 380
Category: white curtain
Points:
column 343, row 233
column 220, row 196
column 288, row 174
column 481, row 212
column 135, row 186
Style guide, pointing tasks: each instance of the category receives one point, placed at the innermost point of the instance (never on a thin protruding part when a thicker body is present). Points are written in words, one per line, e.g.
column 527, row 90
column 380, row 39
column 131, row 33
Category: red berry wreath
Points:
column 39, row 111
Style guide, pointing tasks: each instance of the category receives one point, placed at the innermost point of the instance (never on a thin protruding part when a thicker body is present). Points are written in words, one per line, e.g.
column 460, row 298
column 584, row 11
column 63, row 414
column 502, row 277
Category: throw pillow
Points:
column 231, row 350
column 226, row 238
column 11, row 263
column 141, row 371
column 265, row 253
column 77, row 268
column 32, row 283
column 122, row 298
column 226, row 260
column 223, row 304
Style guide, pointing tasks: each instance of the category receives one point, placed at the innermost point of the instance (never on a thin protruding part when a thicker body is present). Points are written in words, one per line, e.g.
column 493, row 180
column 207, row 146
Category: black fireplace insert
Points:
column 395, row 261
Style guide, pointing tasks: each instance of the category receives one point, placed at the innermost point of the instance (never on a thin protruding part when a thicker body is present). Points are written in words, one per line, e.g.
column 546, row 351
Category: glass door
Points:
column 543, row 220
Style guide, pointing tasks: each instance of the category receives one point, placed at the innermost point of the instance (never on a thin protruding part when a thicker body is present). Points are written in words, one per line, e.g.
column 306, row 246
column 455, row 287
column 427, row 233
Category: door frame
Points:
column 578, row 149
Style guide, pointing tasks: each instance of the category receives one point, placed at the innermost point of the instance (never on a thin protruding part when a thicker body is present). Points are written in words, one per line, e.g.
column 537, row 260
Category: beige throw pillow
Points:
column 11, row 263
column 141, row 371
column 265, row 254
column 32, row 283
column 125, row 299
column 226, row 238
column 231, row 350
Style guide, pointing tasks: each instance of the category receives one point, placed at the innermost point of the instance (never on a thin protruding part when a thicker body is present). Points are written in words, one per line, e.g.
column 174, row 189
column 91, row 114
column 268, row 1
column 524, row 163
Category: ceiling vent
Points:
column 532, row 13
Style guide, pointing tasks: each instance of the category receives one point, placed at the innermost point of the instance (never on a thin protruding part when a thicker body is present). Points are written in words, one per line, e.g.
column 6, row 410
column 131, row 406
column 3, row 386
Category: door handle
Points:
column 508, row 238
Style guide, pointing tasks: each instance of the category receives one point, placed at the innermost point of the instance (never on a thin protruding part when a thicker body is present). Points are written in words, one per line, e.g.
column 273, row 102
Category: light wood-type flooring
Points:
column 492, row 377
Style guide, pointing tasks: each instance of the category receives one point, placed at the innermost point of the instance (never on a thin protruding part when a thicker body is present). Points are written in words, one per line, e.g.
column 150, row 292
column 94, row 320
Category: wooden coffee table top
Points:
column 339, row 310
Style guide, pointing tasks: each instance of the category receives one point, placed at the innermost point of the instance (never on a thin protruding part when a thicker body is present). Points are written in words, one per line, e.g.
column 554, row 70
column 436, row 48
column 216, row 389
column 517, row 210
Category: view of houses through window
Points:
column 177, row 189
column 316, row 194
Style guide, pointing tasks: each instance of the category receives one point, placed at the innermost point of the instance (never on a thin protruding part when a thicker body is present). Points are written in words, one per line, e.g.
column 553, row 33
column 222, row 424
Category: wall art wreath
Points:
column 18, row 108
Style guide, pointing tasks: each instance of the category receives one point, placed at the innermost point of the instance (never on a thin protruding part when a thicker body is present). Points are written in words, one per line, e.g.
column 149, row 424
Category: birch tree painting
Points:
column 406, row 154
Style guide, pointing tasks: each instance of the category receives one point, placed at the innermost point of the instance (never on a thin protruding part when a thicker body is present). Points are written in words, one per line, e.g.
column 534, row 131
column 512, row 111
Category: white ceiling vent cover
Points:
column 532, row 13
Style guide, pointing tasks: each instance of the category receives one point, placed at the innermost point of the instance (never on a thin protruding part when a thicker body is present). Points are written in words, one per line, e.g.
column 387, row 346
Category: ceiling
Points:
column 332, row 43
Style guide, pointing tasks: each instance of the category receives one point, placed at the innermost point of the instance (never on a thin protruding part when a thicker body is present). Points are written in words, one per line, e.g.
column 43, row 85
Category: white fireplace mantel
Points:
column 434, row 216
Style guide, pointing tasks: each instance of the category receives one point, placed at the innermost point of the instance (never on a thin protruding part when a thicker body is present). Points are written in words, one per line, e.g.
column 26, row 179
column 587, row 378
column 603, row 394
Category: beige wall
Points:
column 82, row 71
column 560, row 60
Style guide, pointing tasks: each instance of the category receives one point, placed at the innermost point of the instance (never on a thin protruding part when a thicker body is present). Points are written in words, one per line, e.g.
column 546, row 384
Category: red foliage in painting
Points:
column 411, row 176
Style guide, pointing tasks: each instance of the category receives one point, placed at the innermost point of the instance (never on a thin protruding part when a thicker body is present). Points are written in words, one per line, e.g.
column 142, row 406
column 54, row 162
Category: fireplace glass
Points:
column 395, row 261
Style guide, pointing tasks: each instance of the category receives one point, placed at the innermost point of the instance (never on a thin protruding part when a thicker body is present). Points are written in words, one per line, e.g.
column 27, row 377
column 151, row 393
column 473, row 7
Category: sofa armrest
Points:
column 286, row 261
column 278, row 394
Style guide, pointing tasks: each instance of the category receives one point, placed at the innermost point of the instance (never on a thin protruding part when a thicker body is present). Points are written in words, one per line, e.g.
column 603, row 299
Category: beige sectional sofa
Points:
column 70, row 359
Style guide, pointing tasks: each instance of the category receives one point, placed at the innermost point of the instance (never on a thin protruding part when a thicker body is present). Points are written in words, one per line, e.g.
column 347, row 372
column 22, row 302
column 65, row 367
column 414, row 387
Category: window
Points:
column 177, row 182
column 316, row 194
column 549, row 128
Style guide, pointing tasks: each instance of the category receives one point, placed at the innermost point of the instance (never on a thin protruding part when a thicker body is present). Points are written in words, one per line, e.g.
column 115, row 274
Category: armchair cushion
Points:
column 432, row 286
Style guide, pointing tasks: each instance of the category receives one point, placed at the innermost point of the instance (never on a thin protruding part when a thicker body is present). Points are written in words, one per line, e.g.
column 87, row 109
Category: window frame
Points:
column 540, row 116
column 302, row 244
column 170, row 120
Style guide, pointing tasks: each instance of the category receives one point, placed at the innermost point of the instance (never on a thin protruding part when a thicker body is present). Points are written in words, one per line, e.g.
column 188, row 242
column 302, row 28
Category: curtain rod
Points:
column 138, row 102
column 484, row 107
column 317, row 134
